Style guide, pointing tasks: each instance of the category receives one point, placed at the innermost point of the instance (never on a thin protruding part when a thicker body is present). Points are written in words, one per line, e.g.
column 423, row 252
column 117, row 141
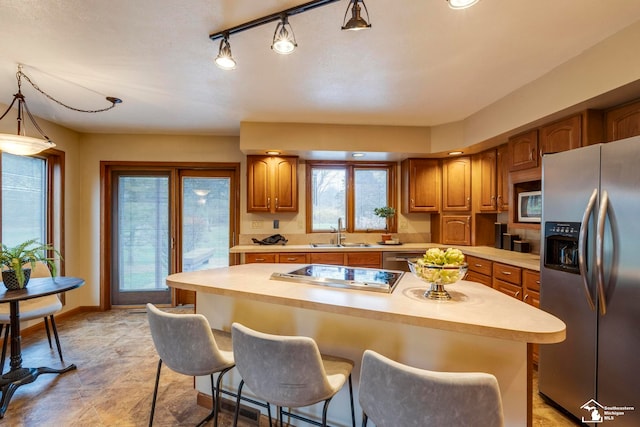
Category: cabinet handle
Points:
column 537, row 282
column 525, row 297
column 478, row 265
column 413, row 203
column 506, row 273
column 259, row 259
column 277, row 205
column 531, row 153
column 292, row 259
column 268, row 202
column 517, row 294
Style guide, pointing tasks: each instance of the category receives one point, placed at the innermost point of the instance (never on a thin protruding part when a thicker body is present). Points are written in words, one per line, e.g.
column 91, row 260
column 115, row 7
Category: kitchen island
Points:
column 480, row 329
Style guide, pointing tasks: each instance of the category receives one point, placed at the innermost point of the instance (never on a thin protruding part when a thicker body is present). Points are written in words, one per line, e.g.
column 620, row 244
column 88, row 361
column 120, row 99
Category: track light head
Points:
column 224, row 59
column 356, row 22
column 284, row 40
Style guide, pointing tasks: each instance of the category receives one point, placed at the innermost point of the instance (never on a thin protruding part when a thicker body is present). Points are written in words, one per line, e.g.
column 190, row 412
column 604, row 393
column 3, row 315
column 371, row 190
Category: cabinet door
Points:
column 623, row 122
column 472, row 276
column 456, row 184
column 364, row 259
column 421, row 185
column 259, row 258
column 285, row 184
column 561, row 136
column 292, row 258
column 333, row 258
column 272, row 184
column 523, row 151
column 258, row 184
column 456, row 229
column 485, row 181
column 502, row 178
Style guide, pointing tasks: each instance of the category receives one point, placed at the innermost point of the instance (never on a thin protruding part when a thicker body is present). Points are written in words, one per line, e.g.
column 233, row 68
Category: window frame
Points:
column 54, row 203
column 350, row 167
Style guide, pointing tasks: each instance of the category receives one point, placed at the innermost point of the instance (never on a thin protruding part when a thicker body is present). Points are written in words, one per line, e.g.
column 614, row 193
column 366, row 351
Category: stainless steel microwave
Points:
column 530, row 206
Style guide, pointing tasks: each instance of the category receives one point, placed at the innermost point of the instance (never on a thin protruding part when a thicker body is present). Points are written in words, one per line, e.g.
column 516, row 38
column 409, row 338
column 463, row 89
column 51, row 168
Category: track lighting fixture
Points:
column 224, row 59
column 461, row 4
column 23, row 145
column 356, row 22
column 284, row 40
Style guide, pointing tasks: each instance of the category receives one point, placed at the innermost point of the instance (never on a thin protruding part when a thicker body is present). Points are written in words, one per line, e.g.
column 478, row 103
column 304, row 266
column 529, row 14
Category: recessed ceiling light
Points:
column 455, row 153
column 273, row 152
column 357, row 155
column 461, row 4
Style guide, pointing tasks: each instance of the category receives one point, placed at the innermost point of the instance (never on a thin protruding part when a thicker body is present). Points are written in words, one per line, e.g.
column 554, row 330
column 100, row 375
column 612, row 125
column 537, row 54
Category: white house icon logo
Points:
column 594, row 409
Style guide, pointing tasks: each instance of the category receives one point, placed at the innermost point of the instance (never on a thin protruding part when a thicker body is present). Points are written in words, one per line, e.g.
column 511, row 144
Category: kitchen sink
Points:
column 343, row 245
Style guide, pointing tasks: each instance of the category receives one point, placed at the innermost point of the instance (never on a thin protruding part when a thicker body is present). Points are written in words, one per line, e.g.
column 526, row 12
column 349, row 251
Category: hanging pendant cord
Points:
column 111, row 99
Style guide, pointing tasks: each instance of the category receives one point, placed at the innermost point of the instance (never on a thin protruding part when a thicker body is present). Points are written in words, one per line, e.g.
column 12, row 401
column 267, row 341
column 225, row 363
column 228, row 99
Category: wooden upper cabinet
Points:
column 623, row 122
column 272, row 184
column 562, row 135
column 456, row 184
column 523, row 151
column 502, row 178
column 485, row 181
column 456, row 229
column 421, row 185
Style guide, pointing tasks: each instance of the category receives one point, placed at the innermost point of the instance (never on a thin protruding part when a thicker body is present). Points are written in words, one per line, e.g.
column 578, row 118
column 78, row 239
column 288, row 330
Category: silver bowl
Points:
column 437, row 276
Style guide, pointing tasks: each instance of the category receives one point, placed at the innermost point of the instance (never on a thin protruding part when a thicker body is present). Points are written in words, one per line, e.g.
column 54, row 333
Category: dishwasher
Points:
column 398, row 260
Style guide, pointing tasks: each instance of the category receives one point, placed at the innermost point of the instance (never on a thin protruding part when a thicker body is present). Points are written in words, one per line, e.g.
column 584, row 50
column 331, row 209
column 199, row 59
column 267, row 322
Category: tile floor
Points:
column 114, row 381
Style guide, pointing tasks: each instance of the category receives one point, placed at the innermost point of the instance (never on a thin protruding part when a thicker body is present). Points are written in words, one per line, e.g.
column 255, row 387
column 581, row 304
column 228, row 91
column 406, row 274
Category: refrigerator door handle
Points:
column 582, row 245
column 602, row 216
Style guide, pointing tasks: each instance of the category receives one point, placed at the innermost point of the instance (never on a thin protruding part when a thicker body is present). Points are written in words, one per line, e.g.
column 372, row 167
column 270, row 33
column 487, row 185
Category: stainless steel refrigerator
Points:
column 590, row 278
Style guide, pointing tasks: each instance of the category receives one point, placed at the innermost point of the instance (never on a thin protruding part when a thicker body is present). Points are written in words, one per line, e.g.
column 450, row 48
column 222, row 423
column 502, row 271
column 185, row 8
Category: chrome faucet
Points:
column 341, row 237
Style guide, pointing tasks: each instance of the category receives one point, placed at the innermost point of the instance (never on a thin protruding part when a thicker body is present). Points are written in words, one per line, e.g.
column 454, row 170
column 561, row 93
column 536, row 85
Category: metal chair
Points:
column 36, row 308
column 186, row 344
column 288, row 371
column 393, row 394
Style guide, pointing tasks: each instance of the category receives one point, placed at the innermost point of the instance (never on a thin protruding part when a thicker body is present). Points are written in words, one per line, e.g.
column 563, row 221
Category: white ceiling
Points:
column 421, row 63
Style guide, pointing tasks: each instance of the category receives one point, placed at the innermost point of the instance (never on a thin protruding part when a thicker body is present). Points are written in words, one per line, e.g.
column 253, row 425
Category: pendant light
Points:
column 23, row 145
column 284, row 40
column 356, row 22
column 224, row 59
column 461, row 4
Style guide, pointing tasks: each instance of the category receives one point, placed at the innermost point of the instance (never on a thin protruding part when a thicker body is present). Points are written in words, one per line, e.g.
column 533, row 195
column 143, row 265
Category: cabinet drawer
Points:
column 364, row 259
column 479, row 265
column 473, row 276
column 286, row 258
column 531, row 280
column 508, row 288
column 508, row 273
column 258, row 258
column 333, row 258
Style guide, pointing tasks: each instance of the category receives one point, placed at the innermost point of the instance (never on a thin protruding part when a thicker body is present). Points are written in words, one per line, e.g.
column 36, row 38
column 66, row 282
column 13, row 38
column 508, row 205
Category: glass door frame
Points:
column 107, row 169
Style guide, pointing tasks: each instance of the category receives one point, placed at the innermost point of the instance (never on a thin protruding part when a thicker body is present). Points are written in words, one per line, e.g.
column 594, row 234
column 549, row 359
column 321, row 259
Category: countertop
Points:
column 474, row 309
column 518, row 259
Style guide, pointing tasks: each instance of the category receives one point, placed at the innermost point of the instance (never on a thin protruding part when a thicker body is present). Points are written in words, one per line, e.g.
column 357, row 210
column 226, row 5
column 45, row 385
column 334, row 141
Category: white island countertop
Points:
column 474, row 309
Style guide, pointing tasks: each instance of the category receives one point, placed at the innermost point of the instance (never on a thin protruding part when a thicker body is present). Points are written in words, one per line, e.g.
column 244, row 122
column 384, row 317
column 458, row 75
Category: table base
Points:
column 10, row 381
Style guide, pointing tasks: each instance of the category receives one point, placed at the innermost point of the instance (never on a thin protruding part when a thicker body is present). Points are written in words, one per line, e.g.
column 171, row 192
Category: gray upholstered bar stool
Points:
column 288, row 371
column 36, row 308
column 393, row 394
column 186, row 344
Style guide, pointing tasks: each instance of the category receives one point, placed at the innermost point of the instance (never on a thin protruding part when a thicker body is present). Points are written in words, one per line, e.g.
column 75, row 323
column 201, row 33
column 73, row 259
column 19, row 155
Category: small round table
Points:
column 17, row 375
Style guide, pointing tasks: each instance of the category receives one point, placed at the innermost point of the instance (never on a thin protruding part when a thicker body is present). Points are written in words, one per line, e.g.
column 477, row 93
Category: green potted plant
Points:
column 13, row 260
column 385, row 212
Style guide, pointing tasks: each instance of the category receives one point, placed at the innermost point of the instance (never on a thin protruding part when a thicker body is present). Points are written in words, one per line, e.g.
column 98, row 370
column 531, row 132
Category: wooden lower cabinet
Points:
column 354, row 259
column 531, row 289
column 480, row 270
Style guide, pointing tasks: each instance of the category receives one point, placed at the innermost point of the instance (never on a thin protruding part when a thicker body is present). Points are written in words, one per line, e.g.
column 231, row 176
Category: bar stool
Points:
column 288, row 371
column 36, row 308
column 187, row 345
column 393, row 394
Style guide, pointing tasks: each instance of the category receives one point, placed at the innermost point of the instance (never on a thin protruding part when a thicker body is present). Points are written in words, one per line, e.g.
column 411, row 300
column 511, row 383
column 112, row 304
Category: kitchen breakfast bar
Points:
column 479, row 329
